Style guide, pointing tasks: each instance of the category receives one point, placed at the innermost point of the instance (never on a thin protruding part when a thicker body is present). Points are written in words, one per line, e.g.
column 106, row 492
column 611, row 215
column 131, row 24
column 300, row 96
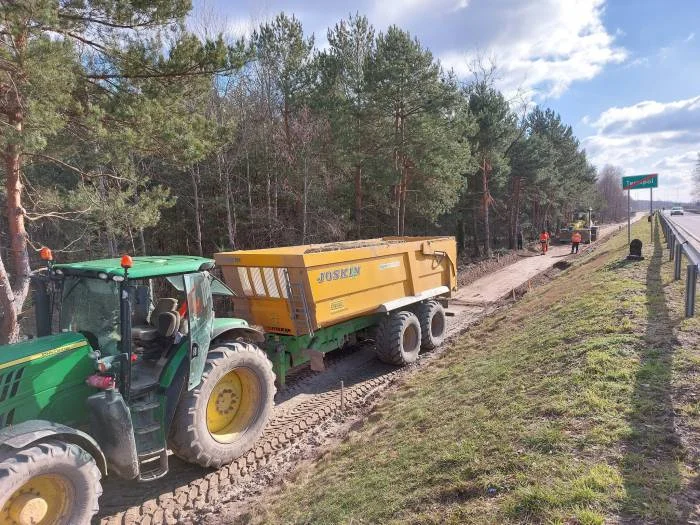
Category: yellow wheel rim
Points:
column 233, row 405
column 43, row 500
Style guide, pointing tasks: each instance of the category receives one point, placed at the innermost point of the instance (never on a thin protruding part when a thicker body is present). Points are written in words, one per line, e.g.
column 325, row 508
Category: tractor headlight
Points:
column 117, row 278
column 102, row 276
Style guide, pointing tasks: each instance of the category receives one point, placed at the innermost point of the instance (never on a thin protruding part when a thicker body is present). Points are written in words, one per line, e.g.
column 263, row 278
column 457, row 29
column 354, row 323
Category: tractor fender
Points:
column 28, row 433
column 245, row 332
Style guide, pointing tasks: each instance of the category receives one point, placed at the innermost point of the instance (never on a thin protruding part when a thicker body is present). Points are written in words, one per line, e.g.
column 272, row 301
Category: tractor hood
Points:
column 40, row 348
column 44, row 378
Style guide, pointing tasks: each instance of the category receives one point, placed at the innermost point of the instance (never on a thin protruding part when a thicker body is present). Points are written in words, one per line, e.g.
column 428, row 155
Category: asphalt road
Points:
column 690, row 224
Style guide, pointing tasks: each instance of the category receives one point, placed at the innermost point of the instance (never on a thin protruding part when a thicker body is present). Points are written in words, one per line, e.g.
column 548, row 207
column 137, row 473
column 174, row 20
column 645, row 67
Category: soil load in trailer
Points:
column 296, row 290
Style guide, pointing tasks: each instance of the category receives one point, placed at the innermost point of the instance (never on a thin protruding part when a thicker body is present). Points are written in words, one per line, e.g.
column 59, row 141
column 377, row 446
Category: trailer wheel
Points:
column 51, row 483
column 433, row 324
column 222, row 418
column 398, row 338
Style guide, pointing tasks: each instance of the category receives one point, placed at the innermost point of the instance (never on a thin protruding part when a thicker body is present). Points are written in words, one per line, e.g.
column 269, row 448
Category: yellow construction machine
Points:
column 582, row 222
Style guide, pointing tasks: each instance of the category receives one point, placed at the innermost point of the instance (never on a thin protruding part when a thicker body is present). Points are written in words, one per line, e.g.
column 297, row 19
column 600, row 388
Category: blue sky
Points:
column 624, row 73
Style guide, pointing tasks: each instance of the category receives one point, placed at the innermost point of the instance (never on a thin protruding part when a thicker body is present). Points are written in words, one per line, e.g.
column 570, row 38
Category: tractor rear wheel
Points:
column 222, row 418
column 51, row 483
column 398, row 338
column 433, row 324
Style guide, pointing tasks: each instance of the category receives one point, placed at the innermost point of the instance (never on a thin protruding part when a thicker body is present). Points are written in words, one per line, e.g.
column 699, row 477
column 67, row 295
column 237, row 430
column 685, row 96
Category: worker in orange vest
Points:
column 544, row 241
column 575, row 241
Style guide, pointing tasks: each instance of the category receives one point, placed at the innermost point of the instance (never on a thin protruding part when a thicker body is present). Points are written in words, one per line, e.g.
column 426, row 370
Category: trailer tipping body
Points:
column 296, row 290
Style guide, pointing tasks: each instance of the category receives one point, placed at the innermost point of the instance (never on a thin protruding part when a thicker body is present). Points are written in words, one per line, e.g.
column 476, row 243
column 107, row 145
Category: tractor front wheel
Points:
column 222, row 418
column 51, row 483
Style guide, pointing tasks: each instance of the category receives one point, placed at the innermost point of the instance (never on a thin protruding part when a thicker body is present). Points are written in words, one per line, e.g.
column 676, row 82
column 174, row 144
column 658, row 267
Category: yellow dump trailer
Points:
column 316, row 298
column 297, row 290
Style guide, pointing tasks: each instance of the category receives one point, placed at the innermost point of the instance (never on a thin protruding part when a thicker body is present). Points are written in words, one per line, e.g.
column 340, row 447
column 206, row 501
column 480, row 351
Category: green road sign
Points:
column 637, row 182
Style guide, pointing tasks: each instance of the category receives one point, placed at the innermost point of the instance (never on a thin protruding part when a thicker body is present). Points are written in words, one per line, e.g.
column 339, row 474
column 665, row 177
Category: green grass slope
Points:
column 560, row 410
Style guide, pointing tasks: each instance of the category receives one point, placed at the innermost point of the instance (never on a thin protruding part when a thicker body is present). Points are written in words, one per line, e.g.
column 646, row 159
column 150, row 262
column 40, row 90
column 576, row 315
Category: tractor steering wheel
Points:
column 91, row 339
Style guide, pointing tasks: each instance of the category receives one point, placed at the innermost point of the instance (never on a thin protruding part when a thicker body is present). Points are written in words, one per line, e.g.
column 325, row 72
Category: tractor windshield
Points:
column 91, row 306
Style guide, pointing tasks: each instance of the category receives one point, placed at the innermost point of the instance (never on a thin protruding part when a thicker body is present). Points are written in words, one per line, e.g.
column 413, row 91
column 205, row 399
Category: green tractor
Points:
column 129, row 361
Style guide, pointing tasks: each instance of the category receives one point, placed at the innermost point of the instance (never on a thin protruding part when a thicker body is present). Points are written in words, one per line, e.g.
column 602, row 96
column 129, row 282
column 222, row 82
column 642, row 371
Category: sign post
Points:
column 637, row 182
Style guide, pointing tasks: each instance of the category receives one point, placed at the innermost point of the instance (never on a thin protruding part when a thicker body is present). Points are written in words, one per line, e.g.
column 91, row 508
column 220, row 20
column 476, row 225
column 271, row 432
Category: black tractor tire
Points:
column 192, row 437
column 398, row 338
column 433, row 324
column 59, row 481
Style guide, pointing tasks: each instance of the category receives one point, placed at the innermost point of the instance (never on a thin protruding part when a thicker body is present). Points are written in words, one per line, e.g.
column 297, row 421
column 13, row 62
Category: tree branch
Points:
column 106, row 23
column 65, row 216
column 59, row 162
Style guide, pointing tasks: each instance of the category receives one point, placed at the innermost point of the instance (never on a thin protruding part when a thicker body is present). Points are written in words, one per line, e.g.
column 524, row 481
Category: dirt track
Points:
column 311, row 409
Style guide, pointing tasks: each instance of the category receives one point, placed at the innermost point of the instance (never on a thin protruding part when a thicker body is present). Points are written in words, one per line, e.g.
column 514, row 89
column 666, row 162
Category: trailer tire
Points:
column 50, row 482
column 433, row 324
column 222, row 418
column 398, row 338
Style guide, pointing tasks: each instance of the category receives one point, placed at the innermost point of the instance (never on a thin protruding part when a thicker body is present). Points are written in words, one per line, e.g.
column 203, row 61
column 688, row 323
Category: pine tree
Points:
column 414, row 101
column 61, row 64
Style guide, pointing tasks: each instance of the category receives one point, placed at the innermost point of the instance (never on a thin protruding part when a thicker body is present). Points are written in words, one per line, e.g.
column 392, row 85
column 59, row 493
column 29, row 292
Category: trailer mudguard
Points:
column 232, row 331
column 28, row 433
column 390, row 306
column 110, row 423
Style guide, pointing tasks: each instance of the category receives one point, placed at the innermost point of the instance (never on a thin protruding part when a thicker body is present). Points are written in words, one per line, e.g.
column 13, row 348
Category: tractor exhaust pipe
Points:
column 42, row 307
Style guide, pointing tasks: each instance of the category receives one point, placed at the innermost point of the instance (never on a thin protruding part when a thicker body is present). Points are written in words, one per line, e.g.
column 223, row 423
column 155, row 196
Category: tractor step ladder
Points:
column 150, row 438
column 298, row 306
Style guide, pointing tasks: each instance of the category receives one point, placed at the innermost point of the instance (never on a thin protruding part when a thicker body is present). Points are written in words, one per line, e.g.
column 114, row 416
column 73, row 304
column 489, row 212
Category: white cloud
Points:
column 241, row 27
column 690, row 37
column 650, row 136
column 387, row 12
column 461, row 4
column 543, row 46
column 650, row 116
column 638, row 62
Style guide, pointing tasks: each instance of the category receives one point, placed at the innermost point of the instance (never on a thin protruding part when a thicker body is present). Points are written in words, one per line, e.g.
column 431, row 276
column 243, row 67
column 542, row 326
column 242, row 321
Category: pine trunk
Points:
column 230, row 227
column 487, row 226
column 14, row 290
column 476, row 251
column 358, row 183
column 250, row 190
column 142, row 239
column 358, row 202
column 304, row 201
column 9, row 328
column 197, row 212
column 515, row 213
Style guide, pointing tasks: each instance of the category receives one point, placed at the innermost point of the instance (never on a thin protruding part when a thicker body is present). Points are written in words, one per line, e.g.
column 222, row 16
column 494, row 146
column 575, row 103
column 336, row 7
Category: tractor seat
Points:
column 163, row 335
column 149, row 332
column 144, row 332
column 168, row 323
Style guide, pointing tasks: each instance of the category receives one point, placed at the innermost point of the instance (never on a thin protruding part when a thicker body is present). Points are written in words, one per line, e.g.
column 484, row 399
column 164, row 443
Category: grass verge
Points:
column 577, row 405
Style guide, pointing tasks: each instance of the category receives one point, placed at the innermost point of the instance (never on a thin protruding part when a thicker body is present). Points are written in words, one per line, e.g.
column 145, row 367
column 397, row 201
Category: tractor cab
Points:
column 135, row 312
column 149, row 322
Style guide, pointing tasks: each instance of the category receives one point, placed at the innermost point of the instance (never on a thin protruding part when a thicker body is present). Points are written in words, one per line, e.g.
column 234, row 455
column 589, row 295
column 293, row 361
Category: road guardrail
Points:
column 678, row 242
